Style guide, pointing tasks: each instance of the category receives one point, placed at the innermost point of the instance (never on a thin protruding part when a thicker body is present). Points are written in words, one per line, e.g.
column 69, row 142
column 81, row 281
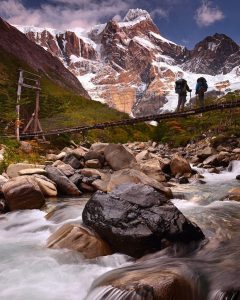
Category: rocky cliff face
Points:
column 214, row 55
column 17, row 44
column 131, row 67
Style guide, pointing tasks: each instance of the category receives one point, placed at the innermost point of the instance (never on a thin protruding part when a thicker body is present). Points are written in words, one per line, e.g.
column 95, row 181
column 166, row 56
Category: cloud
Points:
column 62, row 14
column 159, row 12
column 207, row 14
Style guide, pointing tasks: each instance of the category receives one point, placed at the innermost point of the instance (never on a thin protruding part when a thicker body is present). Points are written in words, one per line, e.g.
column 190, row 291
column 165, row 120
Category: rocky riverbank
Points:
column 130, row 209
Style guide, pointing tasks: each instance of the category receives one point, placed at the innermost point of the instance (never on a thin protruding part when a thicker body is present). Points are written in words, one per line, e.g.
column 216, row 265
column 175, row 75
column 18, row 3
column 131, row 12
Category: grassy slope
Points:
column 221, row 124
column 61, row 108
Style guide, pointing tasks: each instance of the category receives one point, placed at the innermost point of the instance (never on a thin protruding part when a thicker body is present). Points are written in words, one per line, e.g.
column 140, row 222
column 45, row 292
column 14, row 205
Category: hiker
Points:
column 201, row 88
column 181, row 88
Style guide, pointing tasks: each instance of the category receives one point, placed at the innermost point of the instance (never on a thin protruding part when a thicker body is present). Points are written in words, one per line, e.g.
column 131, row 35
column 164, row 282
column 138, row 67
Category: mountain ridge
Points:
column 132, row 68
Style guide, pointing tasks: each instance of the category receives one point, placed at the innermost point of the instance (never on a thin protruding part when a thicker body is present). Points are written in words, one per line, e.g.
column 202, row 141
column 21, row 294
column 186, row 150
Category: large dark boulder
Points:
column 64, row 185
column 136, row 219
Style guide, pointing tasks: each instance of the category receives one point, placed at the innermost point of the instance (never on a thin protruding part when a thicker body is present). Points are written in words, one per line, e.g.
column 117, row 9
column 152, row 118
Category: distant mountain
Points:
column 130, row 66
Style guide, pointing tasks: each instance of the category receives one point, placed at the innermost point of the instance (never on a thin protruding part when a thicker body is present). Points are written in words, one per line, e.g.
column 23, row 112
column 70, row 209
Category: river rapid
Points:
column 30, row 271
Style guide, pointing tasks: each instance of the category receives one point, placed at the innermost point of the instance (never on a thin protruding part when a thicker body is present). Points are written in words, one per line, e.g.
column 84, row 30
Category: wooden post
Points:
column 36, row 116
column 19, row 91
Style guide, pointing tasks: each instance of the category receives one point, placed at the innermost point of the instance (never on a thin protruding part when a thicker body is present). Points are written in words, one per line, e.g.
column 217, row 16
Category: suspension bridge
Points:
column 156, row 117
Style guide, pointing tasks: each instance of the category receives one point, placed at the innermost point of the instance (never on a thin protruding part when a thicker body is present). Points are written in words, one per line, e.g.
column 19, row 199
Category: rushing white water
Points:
column 30, row 271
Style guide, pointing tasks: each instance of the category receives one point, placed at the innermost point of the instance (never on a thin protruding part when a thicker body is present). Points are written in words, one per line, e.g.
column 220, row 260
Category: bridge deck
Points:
column 158, row 117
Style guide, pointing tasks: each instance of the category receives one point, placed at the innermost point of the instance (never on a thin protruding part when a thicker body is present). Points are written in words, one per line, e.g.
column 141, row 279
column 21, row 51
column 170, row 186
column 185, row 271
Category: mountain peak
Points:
column 135, row 13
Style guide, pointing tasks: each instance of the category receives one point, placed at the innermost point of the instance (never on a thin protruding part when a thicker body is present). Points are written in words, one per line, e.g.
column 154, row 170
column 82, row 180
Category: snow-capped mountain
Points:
column 130, row 66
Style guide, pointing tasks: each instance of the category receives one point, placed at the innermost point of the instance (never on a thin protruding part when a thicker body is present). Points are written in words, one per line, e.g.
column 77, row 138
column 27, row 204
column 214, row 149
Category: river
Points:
column 30, row 271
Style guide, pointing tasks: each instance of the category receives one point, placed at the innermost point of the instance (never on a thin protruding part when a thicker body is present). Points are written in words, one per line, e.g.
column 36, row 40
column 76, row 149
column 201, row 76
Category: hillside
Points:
column 63, row 100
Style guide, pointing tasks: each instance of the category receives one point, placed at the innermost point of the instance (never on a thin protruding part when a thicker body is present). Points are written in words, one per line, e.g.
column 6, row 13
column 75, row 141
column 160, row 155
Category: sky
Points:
column 185, row 22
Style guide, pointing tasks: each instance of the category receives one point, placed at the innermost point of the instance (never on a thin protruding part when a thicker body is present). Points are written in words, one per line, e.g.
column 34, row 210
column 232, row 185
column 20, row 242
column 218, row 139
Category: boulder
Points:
column 137, row 219
column 179, row 165
column 98, row 147
column 236, row 150
column 64, row 185
column 183, row 180
column 26, row 147
column 66, row 169
column 93, row 164
column 33, row 171
column 78, row 238
column 148, row 284
column 118, row 157
column 101, row 185
column 134, row 176
column 92, row 172
column 3, row 208
column 87, row 187
column 211, row 160
column 206, row 152
column 238, row 177
column 92, row 155
column 79, row 152
column 14, row 169
column 234, row 194
column 142, row 155
column 71, row 160
column 47, row 187
column 76, row 179
column 2, row 181
column 153, row 169
column 23, row 193
column 61, row 155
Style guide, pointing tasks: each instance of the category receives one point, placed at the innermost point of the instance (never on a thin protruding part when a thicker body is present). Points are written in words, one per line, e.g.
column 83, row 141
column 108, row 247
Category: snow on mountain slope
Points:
column 132, row 68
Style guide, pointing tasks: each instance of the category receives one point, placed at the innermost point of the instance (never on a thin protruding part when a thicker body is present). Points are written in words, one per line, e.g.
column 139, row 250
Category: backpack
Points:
column 180, row 86
column 202, row 85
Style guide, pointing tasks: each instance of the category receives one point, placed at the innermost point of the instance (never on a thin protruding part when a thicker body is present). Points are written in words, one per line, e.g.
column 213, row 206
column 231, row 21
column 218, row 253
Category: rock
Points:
column 64, row 185
column 3, row 208
column 118, row 157
column 78, row 238
column 87, row 187
column 206, row 152
column 26, row 147
column 23, row 193
column 101, row 185
column 14, row 169
column 142, row 155
column 47, row 187
column 71, row 160
column 32, row 172
column 66, row 169
column 150, row 283
column 92, row 172
column 52, row 157
column 79, row 152
column 211, row 160
column 179, row 165
column 183, row 180
column 153, row 169
column 134, row 176
column 236, row 150
column 61, row 155
column 92, row 155
column 76, row 179
column 93, row 163
column 234, row 194
column 213, row 170
column 2, row 181
column 222, row 155
column 137, row 219
column 238, row 177
column 98, row 147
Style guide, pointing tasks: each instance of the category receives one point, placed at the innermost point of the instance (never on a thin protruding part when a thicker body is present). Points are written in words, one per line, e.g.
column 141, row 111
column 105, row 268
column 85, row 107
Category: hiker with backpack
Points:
column 181, row 88
column 201, row 88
